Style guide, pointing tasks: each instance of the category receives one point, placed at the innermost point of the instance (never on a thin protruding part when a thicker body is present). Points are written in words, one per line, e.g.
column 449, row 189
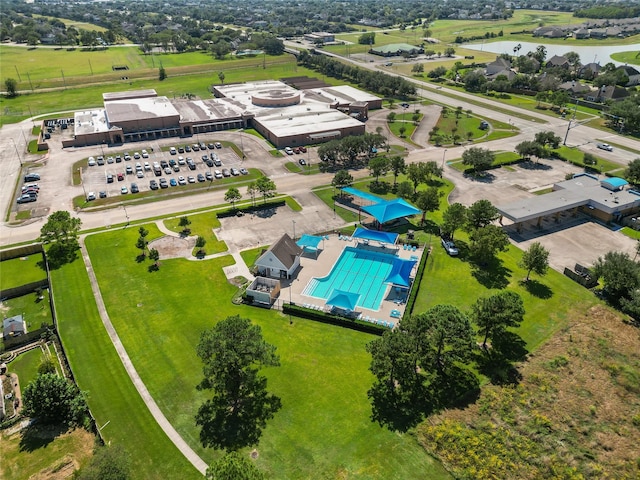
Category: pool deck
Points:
column 330, row 251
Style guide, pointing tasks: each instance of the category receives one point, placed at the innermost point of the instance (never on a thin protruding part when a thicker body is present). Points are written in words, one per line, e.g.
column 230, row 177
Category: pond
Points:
column 588, row 53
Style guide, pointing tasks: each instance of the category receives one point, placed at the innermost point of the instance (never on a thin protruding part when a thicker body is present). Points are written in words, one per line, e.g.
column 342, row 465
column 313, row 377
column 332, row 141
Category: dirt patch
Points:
column 576, row 411
column 173, row 247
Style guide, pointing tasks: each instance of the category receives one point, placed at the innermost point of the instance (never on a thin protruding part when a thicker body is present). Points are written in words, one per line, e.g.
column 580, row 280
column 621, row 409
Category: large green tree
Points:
column 494, row 314
column 61, row 231
column 379, row 166
column 342, row 179
column 535, row 259
column 397, row 166
column 232, row 196
column 481, row 213
column 266, row 187
column 11, row 87
column 621, row 275
column 453, row 218
column 486, row 242
column 108, row 463
column 232, row 353
column 478, row 158
column 53, row 399
column 632, row 173
column 428, row 201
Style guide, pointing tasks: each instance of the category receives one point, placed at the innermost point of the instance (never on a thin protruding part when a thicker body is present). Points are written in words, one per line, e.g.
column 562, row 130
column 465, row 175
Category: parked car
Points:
column 217, row 174
column 180, row 149
column 244, row 171
column 110, row 159
column 209, row 176
column 201, row 177
column 303, row 149
column 235, row 172
column 27, row 198
column 218, row 145
column 153, row 185
column 31, row 186
column 126, row 156
column 226, row 173
column 449, row 247
column 217, row 162
column 191, row 165
column 118, row 159
column 187, row 148
column 140, row 174
column 163, row 183
column 173, row 182
column 296, row 150
column 138, row 166
column 109, row 178
column 301, row 161
column 195, row 147
column 173, row 151
column 134, row 188
column 103, row 194
column 191, row 179
column 100, row 160
column 91, row 196
column 181, row 161
column 91, row 161
column 32, row 177
column 120, row 176
column 145, row 154
column 147, row 167
column 288, row 150
column 168, row 170
column 124, row 190
column 182, row 180
column 211, row 146
column 604, row 146
column 176, row 168
column 129, row 169
column 136, row 155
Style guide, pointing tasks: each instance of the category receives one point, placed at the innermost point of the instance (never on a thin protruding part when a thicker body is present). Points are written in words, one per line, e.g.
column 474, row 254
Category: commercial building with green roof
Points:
column 396, row 49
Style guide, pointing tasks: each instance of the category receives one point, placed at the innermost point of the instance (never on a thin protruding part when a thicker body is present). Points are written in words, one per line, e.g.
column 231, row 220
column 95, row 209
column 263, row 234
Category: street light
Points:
column 125, row 214
column 294, row 229
column 443, row 154
column 82, row 183
column 17, row 151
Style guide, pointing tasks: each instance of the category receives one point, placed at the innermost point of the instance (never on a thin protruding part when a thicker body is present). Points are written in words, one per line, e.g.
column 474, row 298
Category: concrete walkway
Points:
column 157, row 414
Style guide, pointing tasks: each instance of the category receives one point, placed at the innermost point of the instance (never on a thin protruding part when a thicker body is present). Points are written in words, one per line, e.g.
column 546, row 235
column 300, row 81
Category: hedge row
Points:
column 470, row 170
column 324, row 317
column 232, row 212
column 416, row 284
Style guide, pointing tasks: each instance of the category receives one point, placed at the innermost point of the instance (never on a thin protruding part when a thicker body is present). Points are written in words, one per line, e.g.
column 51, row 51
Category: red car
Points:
column 296, row 150
column 303, row 149
column 120, row 177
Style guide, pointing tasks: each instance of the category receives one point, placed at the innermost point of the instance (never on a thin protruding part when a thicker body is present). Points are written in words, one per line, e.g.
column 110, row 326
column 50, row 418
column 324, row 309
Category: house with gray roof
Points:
column 281, row 259
column 13, row 327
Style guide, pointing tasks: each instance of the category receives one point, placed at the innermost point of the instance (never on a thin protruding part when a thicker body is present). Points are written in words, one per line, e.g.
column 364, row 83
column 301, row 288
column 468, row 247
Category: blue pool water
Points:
column 356, row 271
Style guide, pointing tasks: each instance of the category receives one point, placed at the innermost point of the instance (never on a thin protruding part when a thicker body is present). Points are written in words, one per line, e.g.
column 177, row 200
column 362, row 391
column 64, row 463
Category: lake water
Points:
column 588, row 54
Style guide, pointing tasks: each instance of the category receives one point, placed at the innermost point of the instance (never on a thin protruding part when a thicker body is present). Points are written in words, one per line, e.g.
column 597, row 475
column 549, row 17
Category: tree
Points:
column 486, row 242
column 620, row 273
column 53, row 399
column 397, row 166
column 428, row 201
column 453, row 218
column 107, row 463
column 535, row 259
column 527, row 149
column 405, row 190
column 184, row 223
column 47, row 365
column 540, row 54
column 154, row 256
column 481, row 213
column 234, row 466
column 443, row 335
column 266, row 187
column 495, row 313
column 417, row 68
column 200, row 243
column 632, row 173
column 221, row 77
column 449, row 52
column 590, row 159
column 547, row 139
column 368, row 38
column 232, row 196
column 11, row 87
column 437, row 72
column 379, row 166
column 61, row 230
column 162, row 73
column 232, row 352
column 478, row 158
column 252, row 191
column 342, row 179
column 417, row 174
column 402, row 130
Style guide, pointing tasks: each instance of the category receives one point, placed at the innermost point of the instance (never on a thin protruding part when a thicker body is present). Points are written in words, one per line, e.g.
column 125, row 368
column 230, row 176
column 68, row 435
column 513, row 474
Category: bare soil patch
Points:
column 173, row 247
column 575, row 414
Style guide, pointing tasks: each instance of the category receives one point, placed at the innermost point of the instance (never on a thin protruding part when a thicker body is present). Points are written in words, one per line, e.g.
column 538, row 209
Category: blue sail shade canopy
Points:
column 366, row 234
column 342, row 299
column 387, row 211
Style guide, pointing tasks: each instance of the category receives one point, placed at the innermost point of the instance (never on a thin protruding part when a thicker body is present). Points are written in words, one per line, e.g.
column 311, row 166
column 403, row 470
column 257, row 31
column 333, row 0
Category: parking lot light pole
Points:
column 125, row 214
column 82, row 183
column 294, row 230
column 17, row 151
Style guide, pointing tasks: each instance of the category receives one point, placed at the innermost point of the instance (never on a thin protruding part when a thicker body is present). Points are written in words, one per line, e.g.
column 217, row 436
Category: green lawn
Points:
column 20, row 271
column 453, row 280
column 324, row 425
column 26, row 366
column 202, row 224
column 98, row 371
column 631, row 57
column 34, row 311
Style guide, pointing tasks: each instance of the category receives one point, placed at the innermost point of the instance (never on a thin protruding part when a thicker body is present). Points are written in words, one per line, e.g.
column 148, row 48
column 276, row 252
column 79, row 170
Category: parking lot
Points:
column 117, row 169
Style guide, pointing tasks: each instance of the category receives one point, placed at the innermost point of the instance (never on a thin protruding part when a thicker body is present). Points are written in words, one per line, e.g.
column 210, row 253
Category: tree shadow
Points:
column 492, row 274
column 537, row 289
column 37, row 436
column 457, row 387
column 530, row 165
column 265, row 212
column 380, row 187
column 497, row 361
column 394, row 411
column 483, row 177
column 59, row 254
column 141, row 258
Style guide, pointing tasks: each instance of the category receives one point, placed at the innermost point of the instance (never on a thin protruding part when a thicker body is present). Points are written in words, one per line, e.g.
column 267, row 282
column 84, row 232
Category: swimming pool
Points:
column 356, row 271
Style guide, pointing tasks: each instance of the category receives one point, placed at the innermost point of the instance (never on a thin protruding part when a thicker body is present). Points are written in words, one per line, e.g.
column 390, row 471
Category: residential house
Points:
column 13, row 326
column 589, row 71
column 575, row 89
column 632, row 73
column 557, row 61
column 549, row 32
column 607, row 92
column 581, row 33
column 498, row 65
column 281, row 259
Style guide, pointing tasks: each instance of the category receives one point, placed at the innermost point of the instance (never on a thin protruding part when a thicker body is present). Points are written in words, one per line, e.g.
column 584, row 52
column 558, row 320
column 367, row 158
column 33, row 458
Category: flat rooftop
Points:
column 581, row 190
column 212, row 109
column 139, row 109
column 343, row 94
column 147, row 92
column 90, row 121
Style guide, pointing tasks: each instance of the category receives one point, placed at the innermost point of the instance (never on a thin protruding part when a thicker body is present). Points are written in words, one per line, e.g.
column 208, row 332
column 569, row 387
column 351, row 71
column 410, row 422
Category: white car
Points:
column 145, row 154
column 92, row 162
column 288, row 150
column 182, row 180
column 217, row 174
column 605, row 146
column 147, row 167
column 192, row 179
column 91, row 196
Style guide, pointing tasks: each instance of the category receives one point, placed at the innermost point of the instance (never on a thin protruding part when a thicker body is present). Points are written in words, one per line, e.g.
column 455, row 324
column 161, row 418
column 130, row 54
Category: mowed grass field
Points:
column 116, row 405
column 324, row 428
column 632, row 57
column 20, row 271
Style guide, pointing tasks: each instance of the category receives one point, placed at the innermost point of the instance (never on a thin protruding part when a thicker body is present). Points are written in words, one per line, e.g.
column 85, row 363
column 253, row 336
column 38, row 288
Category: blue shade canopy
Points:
column 342, row 299
column 387, row 237
column 400, row 272
column 309, row 241
column 387, row 211
column 359, row 193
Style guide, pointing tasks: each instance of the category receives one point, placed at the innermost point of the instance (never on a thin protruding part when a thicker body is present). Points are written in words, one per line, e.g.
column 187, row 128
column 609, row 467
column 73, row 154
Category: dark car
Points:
column 134, row 188
column 109, row 178
column 201, row 177
column 187, row 148
column 226, row 172
column 209, row 163
column 32, row 177
column 180, row 149
column 164, row 163
column 211, row 146
column 209, row 176
column 192, row 166
column 153, row 185
column 103, row 194
column 301, row 161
